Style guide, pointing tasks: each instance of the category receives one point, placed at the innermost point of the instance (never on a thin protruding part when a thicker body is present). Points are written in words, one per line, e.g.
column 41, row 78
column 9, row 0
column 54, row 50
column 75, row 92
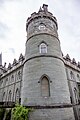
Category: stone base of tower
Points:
column 52, row 114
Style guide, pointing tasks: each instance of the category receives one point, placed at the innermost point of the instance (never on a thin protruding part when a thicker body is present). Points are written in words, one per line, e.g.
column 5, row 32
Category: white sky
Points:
column 13, row 16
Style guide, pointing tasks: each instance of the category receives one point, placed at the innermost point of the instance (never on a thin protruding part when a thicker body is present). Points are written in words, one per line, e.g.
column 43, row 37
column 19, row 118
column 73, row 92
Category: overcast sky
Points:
column 13, row 16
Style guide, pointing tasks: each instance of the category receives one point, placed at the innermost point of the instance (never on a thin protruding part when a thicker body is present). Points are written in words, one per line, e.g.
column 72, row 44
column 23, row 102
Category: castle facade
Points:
column 43, row 79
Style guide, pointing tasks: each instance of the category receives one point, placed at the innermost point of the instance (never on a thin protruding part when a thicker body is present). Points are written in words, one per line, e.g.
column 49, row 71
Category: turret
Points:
column 44, row 77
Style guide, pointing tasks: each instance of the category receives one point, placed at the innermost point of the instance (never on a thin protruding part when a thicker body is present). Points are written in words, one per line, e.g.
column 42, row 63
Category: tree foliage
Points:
column 20, row 113
column 2, row 111
column 8, row 114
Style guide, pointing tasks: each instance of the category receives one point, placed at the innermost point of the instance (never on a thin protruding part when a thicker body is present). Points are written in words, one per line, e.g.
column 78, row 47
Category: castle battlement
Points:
column 43, row 12
column 20, row 62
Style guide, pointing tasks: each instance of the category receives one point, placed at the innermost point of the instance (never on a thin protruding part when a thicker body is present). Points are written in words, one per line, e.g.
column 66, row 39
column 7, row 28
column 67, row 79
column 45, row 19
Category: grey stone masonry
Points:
column 46, row 62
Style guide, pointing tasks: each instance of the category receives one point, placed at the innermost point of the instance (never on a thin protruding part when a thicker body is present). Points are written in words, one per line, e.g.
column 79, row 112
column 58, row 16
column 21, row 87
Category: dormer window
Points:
column 43, row 48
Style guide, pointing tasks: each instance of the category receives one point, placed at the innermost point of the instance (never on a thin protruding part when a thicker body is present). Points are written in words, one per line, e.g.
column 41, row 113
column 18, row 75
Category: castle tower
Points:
column 45, row 86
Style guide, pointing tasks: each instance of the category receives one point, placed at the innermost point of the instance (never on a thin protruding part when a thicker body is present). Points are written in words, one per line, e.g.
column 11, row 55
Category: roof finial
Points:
column 40, row 9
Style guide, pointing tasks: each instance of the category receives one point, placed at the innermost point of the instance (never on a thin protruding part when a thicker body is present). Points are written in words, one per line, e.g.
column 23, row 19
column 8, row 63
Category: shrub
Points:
column 8, row 114
column 2, row 111
column 20, row 113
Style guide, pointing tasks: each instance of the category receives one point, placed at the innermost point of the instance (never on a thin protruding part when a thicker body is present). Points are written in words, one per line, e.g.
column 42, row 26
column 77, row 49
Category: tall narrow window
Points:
column 4, row 96
column 78, row 91
column 78, row 77
column 76, row 95
column 45, row 88
column 72, row 75
column 43, row 48
column 17, row 95
column 10, row 95
column 6, row 81
column 12, row 78
column 19, row 75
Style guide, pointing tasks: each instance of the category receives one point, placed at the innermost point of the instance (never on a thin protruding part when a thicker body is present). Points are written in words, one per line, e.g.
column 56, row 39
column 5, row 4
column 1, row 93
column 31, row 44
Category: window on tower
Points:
column 41, row 26
column 45, row 88
column 43, row 48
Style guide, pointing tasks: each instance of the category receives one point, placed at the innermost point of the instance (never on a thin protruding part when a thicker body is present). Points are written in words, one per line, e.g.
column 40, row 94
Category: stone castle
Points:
column 43, row 79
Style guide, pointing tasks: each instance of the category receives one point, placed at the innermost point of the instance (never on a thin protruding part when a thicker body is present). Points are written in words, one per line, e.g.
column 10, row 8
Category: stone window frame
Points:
column 78, row 77
column 76, row 95
column 4, row 93
column 45, row 76
column 72, row 77
column 10, row 96
column 19, row 75
column 42, row 26
column 78, row 84
column 6, row 81
column 43, row 47
column 17, row 91
column 12, row 77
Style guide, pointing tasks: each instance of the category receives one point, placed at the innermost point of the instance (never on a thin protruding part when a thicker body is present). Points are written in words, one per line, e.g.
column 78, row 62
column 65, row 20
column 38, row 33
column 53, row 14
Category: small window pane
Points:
column 41, row 27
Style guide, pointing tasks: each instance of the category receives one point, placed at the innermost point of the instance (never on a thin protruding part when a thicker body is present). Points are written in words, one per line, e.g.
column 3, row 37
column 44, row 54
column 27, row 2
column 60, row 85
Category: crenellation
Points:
column 41, row 13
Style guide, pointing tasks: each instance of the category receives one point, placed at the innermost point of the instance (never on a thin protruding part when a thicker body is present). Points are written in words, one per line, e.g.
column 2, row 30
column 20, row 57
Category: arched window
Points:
column 45, row 87
column 4, row 96
column 12, row 78
column 17, row 95
column 19, row 75
column 42, row 26
column 76, row 95
column 10, row 96
column 78, row 77
column 6, row 81
column 72, row 75
column 43, row 48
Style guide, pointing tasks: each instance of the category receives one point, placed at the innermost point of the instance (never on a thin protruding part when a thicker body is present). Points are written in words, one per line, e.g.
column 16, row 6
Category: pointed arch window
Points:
column 78, row 77
column 17, row 95
column 10, row 96
column 43, row 48
column 19, row 75
column 4, row 96
column 72, row 75
column 45, row 87
column 76, row 95
column 12, row 78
